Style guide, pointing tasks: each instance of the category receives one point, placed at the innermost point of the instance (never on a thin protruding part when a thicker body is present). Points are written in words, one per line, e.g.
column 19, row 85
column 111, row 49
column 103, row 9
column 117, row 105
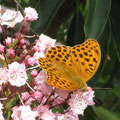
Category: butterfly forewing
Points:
column 60, row 55
column 88, row 55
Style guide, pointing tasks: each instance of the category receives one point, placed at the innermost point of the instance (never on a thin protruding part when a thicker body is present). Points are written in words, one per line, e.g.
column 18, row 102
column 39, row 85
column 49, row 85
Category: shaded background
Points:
column 73, row 21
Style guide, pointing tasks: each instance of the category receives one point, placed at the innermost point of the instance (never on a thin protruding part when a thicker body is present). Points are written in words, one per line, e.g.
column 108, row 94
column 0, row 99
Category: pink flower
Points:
column 41, row 77
column 41, row 109
column 34, row 73
column 8, row 41
column 25, row 95
column 22, row 41
column 67, row 116
column 37, row 95
column 17, row 74
column 29, row 101
column 1, row 48
column 1, row 113
column 62, row 93
column 11, row 52
column 31, row 14
column 56, row 101
column 24, row 113
column 11, row 18
column 88, row 96
column 37, row 55
column 40, row 83
column 80, row 100
column 2, row 57
column 44, row 42
column 31, row 61
column 48, row 115
column 39, row 47
column 3, row 76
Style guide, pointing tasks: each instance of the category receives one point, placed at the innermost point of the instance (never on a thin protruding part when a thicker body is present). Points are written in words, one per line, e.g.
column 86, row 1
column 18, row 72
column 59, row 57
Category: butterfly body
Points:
column 69, row 68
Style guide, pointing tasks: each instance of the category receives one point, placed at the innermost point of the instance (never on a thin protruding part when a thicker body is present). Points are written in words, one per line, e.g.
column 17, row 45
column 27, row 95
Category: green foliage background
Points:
column 73, row 21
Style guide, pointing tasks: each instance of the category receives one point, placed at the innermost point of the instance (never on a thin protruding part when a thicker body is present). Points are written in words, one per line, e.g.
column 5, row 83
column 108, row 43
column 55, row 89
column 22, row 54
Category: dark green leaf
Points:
column 115, row 20
column 98, row 13
column 46, row 10
column 76, row 33
column 116, row 91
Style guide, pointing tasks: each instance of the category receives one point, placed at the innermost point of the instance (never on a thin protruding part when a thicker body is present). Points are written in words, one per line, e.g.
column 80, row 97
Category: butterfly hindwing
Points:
column 59, row 82
column 60, row 55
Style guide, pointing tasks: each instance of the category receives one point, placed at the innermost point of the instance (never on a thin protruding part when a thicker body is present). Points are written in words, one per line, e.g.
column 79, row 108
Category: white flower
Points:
column 31, row 14
column 17, row 74
column 80, row 100
column 11, row 18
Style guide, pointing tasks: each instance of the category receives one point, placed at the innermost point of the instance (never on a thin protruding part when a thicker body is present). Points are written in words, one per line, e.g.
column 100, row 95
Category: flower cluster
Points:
column 24, row 93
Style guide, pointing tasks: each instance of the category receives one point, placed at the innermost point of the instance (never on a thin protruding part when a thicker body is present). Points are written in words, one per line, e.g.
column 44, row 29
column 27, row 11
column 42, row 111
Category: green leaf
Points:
column 115, row 21
column 27, row 1
column 89, row 114
column 116, row 91
column 46, row 10
column 60, row 109
column 98, row 13
column 76, row 33
column 104, row 114
column 109, row 65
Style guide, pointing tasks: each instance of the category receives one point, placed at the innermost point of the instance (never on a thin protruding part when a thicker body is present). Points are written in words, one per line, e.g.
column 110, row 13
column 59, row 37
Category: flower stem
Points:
column 49, row 97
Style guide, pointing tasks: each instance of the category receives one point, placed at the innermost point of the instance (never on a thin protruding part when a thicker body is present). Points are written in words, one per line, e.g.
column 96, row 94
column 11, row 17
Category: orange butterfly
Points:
column 69, row 68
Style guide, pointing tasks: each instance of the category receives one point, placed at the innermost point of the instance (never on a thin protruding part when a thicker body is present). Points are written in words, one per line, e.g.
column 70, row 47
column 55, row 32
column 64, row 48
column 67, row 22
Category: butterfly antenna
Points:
column 102, row 88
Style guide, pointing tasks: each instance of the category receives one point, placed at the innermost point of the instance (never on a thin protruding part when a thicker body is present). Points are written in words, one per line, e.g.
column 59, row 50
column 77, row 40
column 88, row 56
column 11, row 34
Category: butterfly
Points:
column 69, row 68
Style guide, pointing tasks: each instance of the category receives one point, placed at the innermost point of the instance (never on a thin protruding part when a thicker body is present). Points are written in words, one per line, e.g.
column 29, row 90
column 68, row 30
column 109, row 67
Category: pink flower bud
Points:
column 37, row 95
column 25, row 95
column 31, row 61
column 34, row 73
column 22, row 41
column 14, row 108
column 1, row 48
column 11, row 52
